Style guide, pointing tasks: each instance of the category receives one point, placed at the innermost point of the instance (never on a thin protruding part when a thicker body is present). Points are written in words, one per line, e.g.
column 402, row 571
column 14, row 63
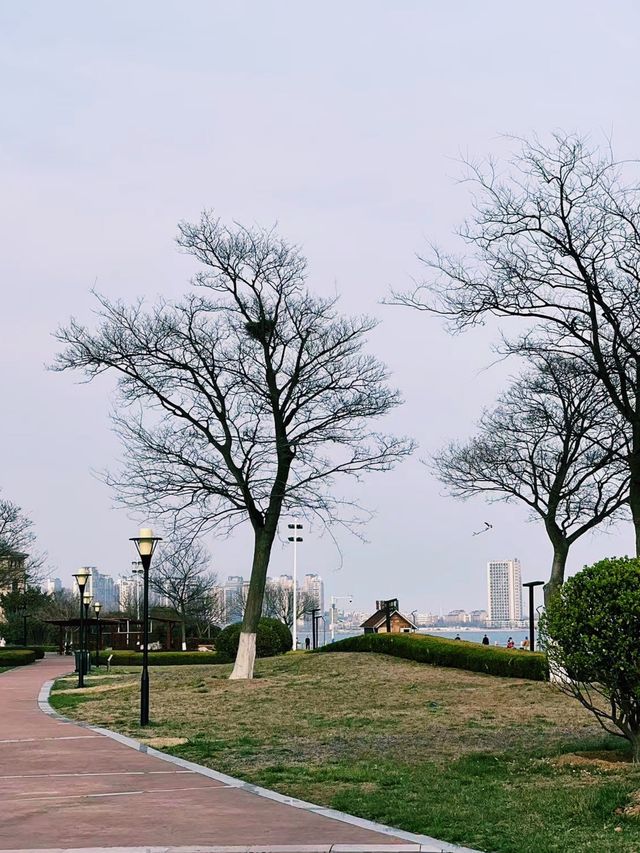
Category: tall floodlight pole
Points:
column 532, row 585
column 81, row 576
column 295, row 539
column 145, row 543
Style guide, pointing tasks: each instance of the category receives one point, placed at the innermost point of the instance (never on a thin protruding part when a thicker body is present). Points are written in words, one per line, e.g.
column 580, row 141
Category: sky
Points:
column 344, row 124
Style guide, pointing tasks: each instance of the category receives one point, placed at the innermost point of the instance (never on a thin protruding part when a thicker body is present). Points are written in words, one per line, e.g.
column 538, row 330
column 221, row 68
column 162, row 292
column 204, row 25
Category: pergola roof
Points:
column 74, row 622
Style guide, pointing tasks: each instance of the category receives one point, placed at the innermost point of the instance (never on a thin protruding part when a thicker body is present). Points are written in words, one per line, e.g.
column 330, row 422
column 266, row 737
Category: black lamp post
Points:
column 24, row 615
column 96, row 609
column 81, row 576
column 532, row 585
column 87, row 598
column 145, row 543
column 137, row 571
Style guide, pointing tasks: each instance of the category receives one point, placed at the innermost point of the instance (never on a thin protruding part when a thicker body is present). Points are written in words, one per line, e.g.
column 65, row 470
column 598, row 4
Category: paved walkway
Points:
column 65, row 786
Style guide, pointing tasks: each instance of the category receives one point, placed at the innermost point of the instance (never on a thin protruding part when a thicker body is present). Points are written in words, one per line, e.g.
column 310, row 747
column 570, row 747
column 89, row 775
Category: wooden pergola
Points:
column 123, row 632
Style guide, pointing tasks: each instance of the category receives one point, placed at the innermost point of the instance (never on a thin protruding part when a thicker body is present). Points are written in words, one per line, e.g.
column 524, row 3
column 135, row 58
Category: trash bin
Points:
column 87, row 661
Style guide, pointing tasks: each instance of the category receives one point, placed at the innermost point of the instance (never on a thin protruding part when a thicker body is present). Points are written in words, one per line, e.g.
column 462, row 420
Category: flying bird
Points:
column 487, row 527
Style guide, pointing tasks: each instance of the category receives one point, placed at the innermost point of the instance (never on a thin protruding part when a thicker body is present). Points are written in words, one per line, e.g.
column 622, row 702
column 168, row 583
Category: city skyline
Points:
column 360, row 195
column 231, row 589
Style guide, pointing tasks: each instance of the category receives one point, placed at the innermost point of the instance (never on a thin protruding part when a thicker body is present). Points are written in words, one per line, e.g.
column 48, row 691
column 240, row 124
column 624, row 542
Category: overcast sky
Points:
column 340, row 121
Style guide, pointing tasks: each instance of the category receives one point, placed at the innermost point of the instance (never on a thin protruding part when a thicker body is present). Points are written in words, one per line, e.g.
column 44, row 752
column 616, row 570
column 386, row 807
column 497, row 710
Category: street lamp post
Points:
column 145, row 543
column 137, row 571
column 314, row 640
column 87, row 598
column 81, row 576
column 96, row 609
column 532, row 585
column 24, row 615
column 295, row 539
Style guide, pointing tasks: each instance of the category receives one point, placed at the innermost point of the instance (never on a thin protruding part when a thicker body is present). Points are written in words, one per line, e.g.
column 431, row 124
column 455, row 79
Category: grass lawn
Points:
column 498, row 764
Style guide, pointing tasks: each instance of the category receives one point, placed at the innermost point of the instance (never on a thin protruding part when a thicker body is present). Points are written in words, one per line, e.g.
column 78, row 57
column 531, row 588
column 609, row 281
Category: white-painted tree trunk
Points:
column 246, row 657
column 184, row 646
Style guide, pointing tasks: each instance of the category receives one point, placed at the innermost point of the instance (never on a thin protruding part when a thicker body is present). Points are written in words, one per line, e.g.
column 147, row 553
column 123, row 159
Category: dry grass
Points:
column 334, row 705
column 493, row 763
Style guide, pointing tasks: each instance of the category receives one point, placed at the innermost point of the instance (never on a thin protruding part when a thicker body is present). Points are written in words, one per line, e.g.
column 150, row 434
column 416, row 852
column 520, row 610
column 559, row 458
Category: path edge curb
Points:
column 424, row 842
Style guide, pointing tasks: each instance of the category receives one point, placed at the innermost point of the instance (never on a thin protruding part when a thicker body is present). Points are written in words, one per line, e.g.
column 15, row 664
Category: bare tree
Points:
column 555, row 239
column 554, row 444
column 181, row 576
column 261, row 393
column 19, row 560
column 278, row 603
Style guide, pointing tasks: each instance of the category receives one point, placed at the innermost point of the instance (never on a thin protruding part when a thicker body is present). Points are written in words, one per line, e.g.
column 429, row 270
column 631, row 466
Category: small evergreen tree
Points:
column 591, row 630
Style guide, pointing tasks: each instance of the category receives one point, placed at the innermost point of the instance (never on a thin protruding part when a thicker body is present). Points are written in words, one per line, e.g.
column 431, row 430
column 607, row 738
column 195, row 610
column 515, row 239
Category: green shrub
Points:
column 124, row 657
column 283, row 632
column 273, row 638
column 591, row 629
column 438, row 651
column 39, row 650
column 16, row 657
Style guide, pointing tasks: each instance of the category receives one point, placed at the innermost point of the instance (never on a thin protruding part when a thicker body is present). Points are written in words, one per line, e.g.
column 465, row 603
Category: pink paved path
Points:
column 65, row 786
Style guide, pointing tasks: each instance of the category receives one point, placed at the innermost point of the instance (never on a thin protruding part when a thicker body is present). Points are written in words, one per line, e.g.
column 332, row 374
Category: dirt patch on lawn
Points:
column 163, row 742
column 97, row 688
column 633, row 808
column 607, row 761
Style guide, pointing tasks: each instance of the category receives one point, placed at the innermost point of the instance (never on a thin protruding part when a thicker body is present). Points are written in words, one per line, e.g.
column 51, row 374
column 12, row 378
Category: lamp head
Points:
column 97, row 607
column 87, row 599
column 82, row 576
column 146, row 542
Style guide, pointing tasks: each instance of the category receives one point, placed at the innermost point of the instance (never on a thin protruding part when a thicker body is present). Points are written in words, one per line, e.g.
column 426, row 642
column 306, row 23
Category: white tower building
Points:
column 504, row 587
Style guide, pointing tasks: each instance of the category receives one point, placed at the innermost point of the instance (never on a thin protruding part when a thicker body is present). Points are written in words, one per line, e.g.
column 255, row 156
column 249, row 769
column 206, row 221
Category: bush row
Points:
column 459, row 654
column 128, row 658
column 272, row 638
column 16, row 657
column 39, row 650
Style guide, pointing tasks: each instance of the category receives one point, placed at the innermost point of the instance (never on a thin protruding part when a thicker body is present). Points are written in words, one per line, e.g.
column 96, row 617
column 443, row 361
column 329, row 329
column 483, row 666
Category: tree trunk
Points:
column 246, row 656
column 560, row 554
column 634, row 739
column 183, row 626
column 634, row 486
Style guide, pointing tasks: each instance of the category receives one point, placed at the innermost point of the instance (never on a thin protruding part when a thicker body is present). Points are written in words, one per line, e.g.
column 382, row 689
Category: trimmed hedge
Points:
column 273, row 638
column 16, row 657
column 126, row 658
column 459, row 654
column 282, row 630
column 39, row 650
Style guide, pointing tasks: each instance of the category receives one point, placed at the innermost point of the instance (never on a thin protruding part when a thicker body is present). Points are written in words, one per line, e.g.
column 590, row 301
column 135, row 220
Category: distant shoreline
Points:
column 474, row 629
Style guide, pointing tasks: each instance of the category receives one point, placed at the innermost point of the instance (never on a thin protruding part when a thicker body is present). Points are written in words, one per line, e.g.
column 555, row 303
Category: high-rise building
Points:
column 232, row 595
column 504, row 587
column 314, row 587
column 283, row 581
column 129, row 594
column 52, row 585
column 103, row 589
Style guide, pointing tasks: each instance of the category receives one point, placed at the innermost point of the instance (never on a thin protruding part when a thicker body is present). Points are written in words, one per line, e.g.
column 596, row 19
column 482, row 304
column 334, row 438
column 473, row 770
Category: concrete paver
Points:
column 68, row 787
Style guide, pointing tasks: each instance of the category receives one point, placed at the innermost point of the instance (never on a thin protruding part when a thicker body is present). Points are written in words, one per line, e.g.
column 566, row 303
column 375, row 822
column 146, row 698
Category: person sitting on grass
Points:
column 485, row 640
column 510, row 643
